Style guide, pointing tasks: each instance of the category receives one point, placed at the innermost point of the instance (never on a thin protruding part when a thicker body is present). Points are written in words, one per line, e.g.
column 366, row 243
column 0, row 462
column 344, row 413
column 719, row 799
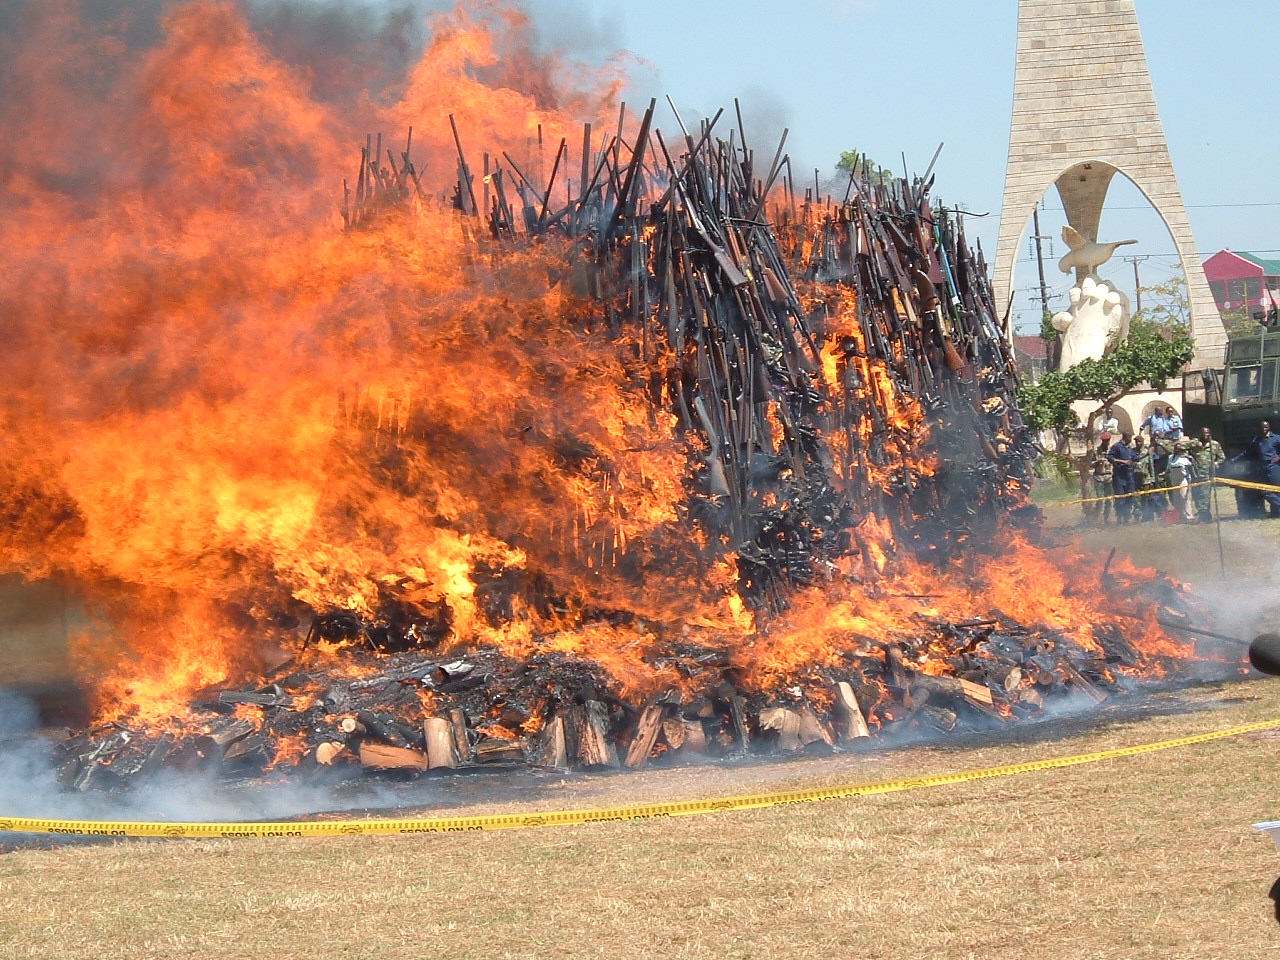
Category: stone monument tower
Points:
column 1084, row 110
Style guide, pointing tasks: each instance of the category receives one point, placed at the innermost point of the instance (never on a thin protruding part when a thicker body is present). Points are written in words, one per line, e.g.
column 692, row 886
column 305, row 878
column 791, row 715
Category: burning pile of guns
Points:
column 833, row 360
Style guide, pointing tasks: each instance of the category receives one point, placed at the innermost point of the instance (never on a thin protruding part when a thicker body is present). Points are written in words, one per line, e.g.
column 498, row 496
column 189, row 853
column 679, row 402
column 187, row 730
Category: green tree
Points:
column 1165, row 303
column 1153, row 353
column 852, row 160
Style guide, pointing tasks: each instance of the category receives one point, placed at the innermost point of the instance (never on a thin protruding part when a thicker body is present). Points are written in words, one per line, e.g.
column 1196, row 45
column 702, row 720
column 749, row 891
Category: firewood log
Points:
column 742, row 733
column 673, row 732
column 213, row 742
column 813, row 728
column 850, row 723
column 939, row 717
column 646, row 736
column 495, row 750
column 1076, row 682
column 458, row 720
column 786, row 723
column 590, row 734
column 329, row 752
column 442, row 751
column 246, row 748
column 381, row 756
column 552, row 750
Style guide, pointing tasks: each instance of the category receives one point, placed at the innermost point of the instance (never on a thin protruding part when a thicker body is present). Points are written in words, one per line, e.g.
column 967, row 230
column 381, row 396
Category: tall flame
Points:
column 224, row 413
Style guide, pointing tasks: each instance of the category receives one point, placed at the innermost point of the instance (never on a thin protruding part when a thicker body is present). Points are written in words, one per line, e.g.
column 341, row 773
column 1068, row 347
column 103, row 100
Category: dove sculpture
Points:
column 1086, row 255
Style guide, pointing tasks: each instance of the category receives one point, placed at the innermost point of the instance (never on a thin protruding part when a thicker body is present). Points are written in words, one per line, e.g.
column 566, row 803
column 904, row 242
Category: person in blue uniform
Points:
column 1122, row 457
column 1264, row 449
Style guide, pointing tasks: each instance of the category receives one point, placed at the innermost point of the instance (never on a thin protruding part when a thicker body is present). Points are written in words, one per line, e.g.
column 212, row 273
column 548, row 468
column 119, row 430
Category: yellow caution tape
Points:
column 560, row 818
column 1248, row 485
column 1244, row 484
column 1123, row 496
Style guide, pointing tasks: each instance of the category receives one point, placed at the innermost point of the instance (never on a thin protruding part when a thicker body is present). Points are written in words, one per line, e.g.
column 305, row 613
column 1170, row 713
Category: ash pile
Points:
column 840, row 379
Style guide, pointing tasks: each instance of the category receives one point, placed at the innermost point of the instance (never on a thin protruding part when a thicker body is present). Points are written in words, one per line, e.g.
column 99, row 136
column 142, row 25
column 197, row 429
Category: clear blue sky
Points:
column 889, row 77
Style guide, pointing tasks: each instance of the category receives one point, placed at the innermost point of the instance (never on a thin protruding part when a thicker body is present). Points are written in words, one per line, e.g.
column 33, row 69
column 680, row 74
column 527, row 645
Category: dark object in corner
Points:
column 1264, row 653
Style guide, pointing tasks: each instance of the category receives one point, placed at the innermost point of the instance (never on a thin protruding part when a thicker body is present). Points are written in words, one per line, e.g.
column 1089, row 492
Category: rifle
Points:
column 464, row 173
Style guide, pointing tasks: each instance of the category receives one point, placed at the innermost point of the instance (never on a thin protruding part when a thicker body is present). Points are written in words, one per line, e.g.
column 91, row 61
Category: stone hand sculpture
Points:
column 1097, row 321
column 1086, row 255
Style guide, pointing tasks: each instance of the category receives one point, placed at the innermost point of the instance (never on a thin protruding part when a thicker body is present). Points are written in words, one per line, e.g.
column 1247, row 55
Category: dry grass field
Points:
column 1146, row 857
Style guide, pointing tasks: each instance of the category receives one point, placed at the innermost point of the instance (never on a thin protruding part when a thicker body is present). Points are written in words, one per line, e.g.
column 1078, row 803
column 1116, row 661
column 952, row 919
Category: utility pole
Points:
column 1055, row 343
column 1044, row 287
column 1137, row 280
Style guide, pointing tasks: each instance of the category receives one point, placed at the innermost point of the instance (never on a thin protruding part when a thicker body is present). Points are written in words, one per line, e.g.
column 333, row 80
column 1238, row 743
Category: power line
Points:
column 1189, row 206
column 1199, row 253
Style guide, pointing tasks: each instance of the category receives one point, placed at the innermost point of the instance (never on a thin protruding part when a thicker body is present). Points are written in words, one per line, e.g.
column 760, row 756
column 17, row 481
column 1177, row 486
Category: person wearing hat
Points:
column 1208, row 455
column 1180, row 469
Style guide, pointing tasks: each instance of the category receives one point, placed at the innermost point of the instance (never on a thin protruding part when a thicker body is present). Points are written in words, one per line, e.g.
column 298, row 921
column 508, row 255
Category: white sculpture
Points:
column 1097, row 321
column 1086, row 255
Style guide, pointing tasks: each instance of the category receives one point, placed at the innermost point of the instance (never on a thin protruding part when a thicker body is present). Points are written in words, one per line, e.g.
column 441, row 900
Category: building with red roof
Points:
column 1243, row 284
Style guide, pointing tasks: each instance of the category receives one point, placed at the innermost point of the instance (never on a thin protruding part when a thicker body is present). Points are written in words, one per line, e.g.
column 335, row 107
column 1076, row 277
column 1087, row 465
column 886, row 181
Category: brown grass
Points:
column 1148, row 857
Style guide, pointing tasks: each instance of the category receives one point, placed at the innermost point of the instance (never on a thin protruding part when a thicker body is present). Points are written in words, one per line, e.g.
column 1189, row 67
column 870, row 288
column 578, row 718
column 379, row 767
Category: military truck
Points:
column 1232, row 401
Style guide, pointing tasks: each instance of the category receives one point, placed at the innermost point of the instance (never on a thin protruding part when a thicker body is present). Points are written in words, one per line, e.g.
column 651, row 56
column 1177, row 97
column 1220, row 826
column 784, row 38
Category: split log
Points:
column 813, row 728
column 976, row 692
column 850, row 723
column 686, row 735
column 647, row 730
column 246, row 748
column 214, row 741
column 738, row 711
column 329, row 752
column 442, row 751
column 458, row 720
column 1077, row 682
column 590, row 734
column 939, row 717
column 552, row 749
column 381, row 756
column 497, row 750
column 786, row 723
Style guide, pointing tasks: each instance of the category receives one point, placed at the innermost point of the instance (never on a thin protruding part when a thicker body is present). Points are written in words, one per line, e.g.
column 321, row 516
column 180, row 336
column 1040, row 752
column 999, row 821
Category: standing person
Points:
column 1108, row 426
column 1145, row 505
column 1265, row 450
column 1159, row 450
column 1207, row 457
column 1122, row 457
column 1180, row 468
column 1173, row 424
column 1156, row 424
column 1101, row 469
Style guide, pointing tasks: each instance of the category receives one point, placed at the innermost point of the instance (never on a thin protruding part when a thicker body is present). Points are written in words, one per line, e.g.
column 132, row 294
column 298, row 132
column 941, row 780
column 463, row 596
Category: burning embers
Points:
column 330, row 712
column 675, row 458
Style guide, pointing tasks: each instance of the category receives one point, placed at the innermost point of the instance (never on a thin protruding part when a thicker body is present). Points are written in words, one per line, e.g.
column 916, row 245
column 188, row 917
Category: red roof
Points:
column 1230, row 265
column 1033, row 346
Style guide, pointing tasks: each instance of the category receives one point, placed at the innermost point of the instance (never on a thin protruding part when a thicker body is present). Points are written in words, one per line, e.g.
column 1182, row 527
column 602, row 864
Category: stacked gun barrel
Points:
column 827, row 361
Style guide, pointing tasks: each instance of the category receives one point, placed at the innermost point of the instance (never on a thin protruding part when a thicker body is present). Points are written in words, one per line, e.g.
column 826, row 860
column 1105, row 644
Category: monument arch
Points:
column 1083, row 111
